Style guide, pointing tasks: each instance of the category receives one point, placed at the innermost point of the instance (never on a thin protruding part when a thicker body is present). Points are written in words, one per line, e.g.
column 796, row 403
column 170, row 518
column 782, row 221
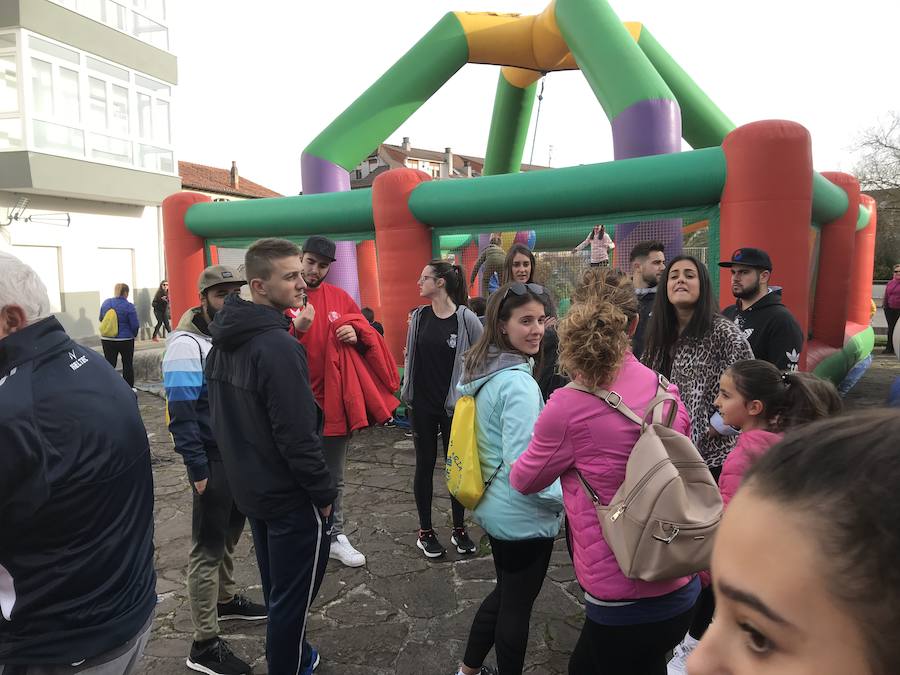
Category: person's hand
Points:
column 325, row 511
column 304, row 319
column 346, row 334
column 550, row 322
column 200, row 486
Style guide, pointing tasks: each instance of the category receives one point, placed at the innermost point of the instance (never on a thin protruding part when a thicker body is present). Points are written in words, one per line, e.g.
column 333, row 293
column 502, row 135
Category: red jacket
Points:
column 359, row 387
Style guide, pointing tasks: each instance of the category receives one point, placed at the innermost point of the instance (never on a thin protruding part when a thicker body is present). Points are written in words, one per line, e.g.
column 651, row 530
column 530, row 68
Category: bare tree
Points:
column 879, row 162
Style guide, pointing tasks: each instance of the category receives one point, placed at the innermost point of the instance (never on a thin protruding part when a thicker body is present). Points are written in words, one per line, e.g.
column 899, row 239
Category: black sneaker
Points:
column 214, row 657
column 460, row 539
column 429, row 544
column 241, row 607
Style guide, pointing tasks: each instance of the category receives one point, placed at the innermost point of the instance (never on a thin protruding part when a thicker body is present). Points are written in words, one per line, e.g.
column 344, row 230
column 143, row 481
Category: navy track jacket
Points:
column 76, row 502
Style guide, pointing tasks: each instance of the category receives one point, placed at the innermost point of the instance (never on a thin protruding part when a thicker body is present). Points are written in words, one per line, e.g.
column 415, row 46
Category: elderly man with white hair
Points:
column 77, row 585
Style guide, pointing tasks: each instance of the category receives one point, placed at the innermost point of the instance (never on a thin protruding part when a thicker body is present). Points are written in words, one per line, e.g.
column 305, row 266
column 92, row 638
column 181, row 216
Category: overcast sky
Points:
column 258, row 88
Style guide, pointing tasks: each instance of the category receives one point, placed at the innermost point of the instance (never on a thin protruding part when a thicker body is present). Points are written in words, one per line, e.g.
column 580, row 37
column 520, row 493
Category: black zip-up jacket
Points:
column 263, row 413
column 770, row 328
column 646, row 299
column 76, row 502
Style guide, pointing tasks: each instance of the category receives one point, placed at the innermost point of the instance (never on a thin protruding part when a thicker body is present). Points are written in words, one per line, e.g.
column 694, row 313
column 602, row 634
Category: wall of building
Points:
column 105, row 244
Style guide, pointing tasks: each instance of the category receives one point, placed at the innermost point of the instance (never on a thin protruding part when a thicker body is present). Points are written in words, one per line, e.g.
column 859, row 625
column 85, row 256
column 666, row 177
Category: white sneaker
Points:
column 678, row 664
column 342, row 550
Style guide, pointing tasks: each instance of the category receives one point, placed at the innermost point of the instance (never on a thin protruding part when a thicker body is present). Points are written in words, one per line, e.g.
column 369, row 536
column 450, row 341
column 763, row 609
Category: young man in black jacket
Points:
column 77, row 585
column 648, row 262
column 265, row 421
column 770, row 328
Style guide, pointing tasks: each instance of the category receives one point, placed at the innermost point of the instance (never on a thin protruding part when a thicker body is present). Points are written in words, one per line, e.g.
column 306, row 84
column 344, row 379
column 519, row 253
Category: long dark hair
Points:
column 499, row 308
column 789, row 399
column 662, row 333
column 454, row 280
column 160, row 292
column 838, row 478
column 515, row 250
column 600, row 232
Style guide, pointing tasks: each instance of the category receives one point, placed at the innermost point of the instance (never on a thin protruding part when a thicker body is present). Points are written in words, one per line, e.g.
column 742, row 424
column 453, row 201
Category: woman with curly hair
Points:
column 629, row 624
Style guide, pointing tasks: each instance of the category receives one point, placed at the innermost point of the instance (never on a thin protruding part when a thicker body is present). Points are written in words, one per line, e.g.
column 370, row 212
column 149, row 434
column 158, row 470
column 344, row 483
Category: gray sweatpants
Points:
column 335, row 450
column 119, row 661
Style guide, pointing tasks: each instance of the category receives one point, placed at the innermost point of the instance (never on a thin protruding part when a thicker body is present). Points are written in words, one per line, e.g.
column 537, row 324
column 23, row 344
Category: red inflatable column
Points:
column 367, row 270
column 829, row 318
column 767, row 204
column 469, row 256
column 184, row 252
column 862, row 265
column 404, row 248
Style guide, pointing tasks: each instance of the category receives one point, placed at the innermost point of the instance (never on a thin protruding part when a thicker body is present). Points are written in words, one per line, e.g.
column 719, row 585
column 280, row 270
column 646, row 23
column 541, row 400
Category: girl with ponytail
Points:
column 439, row 334
column 763, row 402
column 757, row 398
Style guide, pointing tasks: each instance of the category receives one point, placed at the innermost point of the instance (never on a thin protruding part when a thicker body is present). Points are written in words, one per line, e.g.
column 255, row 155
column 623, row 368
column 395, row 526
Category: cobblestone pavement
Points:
column 399, row 614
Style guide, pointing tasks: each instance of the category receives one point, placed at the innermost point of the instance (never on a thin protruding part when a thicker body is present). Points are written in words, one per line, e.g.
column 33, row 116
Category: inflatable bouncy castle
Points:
column 747, row 186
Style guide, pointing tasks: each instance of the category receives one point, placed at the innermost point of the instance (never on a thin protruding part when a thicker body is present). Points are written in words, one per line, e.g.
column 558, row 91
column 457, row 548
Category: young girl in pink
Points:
column 763, row 402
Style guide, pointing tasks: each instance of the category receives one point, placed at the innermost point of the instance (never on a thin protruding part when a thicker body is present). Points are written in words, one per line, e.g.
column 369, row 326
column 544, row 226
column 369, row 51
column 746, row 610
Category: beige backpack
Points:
column 662, row 520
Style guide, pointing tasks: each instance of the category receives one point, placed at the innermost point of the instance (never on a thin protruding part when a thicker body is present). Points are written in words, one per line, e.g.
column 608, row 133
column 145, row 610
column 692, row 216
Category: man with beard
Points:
column 325, row 304
column 770, row 328
column 216, row 522
column 265, row 421
column 648, row 262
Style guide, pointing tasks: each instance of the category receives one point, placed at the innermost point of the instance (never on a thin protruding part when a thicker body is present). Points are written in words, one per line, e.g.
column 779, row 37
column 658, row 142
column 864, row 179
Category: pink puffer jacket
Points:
column 578, row 430
column 750, row 445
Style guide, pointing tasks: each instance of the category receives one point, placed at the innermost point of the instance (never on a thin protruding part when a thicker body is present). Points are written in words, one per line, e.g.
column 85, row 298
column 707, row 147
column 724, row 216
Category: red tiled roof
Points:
column 212, row 179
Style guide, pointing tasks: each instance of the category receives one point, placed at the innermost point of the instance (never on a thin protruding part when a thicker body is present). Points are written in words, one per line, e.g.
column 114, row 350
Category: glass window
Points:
column 58, row 138
column 156, row 159
column 9, row 91
column 118, row 123
column 7, row 40
column 69, row 108
column 111, row 149
column 116, row 15
column 10, row 134
column 161, row 122
column 145, row 125
column 97, row 103
column 155, row 8
column 104, row 68
column 42, row 87
column 152, row 85
column 92, row 8
column 150, row 32
column 51, row 49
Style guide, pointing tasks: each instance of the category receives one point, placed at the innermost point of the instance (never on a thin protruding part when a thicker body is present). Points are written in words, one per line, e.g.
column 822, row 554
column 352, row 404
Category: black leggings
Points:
column 113, row 348
column 706, row 603
column 627, row 650
column 425, row 428
column 503, row 618
column 162, row 320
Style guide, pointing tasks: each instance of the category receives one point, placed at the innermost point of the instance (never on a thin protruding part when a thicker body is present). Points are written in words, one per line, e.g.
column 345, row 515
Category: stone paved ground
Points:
column 401, row 613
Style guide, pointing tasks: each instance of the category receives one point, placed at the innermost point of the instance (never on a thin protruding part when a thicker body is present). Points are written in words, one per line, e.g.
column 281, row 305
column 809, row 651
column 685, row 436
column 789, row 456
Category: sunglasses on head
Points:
column 518, row 288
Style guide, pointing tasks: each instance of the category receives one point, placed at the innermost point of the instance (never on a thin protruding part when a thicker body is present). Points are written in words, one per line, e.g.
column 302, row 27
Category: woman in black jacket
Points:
column 161, row 310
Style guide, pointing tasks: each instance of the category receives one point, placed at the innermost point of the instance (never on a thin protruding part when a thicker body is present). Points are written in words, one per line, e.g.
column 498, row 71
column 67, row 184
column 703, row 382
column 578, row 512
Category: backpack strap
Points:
column 652, row 414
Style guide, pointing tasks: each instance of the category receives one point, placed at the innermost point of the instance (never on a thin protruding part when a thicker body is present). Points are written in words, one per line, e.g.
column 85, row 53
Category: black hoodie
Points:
column 770, row 328
column 263, row 413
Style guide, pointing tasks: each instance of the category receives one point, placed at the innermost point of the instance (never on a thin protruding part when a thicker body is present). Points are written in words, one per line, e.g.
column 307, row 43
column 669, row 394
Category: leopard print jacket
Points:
column 696, row 369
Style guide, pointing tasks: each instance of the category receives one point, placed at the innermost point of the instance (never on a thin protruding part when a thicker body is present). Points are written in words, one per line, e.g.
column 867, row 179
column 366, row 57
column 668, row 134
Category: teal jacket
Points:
column 507, row 404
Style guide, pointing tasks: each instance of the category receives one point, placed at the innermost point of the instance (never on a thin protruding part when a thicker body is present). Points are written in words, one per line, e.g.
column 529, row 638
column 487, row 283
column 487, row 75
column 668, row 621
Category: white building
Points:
column 86, row 152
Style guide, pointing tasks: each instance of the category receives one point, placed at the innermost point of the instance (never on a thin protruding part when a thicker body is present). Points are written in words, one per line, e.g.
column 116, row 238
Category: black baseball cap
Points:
column 751, row 257
column 322, row 246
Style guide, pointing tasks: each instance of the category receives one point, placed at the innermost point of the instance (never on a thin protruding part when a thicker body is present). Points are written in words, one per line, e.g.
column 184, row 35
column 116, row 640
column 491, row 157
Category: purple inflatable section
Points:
column 320, row 175
column 651, row 127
